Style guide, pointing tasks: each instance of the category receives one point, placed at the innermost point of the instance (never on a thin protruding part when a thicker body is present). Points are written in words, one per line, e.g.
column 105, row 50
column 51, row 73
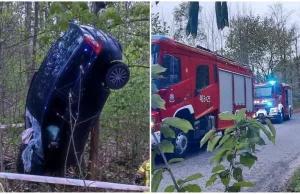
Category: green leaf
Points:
column 227, row 116
column 167, row 146
column 175, row 160
column 153, row 88
column 230, row 129
column 243, row 184
column 224, row 138
column 180, row 182
column 248, row 160
column 218, row 157
column 225, row 178
column 271, row 127
column 207, row 137
column 153, row 167
column 218, row 168
column 211, row 180
column 178, row 123
column 237, row 174
column 112, row 14
column 240, row 115
column 192, row 188
column 157, row 102
column 193, row 177
column 240, row 145
column 167, row 131
column 230, row 143
column 234, row 189
column 213, row 142
column 170, row 188
column 261, row 141
column 156, row 69
column 156, row 179
column 229, row 157
column 262, row 127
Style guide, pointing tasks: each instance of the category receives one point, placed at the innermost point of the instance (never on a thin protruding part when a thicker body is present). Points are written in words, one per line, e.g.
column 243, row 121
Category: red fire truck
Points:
column 199, row 85
column 273, row 100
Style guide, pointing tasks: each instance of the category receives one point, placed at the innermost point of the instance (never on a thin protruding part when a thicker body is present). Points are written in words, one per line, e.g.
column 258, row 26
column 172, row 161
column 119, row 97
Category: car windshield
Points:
column 263, row 92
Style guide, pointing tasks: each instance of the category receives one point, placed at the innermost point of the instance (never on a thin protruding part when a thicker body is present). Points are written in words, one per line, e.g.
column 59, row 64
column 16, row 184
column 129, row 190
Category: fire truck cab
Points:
column 273, row 100
column 198, row 86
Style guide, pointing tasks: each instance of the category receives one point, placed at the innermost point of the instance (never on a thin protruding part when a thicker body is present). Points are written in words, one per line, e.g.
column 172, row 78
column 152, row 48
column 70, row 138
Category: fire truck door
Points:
column 202, row 95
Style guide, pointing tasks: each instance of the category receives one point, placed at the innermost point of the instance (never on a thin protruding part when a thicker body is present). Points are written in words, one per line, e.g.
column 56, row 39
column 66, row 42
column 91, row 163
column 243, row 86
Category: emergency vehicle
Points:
column 273, row 100
column 199, row 85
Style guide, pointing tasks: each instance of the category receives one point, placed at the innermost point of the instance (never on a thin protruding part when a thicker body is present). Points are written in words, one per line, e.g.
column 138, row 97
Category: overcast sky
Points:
column 258, row 8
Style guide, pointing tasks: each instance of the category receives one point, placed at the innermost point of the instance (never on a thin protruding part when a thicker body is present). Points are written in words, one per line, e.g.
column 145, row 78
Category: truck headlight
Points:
column 274, row 110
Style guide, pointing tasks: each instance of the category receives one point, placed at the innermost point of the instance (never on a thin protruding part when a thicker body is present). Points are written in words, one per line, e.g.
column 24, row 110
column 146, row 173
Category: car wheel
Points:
column 117, row 76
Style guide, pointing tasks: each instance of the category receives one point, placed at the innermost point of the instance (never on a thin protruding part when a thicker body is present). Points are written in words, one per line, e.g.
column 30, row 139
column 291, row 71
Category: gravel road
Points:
column 275, row 165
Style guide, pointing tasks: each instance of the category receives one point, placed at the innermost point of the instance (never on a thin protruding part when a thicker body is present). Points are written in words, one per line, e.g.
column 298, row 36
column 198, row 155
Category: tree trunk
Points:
column 94, row 151
column 34, row 41
column 27, row 56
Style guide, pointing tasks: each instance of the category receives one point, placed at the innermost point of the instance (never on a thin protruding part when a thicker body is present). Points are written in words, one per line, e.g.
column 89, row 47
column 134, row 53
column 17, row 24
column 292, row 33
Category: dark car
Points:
column 66, row 96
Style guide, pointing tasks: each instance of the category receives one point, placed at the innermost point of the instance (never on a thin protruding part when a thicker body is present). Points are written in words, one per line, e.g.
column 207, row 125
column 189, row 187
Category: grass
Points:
column 294, row 184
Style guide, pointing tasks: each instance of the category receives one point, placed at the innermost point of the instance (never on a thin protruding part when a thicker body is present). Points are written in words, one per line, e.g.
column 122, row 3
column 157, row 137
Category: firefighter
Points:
column 143, row 174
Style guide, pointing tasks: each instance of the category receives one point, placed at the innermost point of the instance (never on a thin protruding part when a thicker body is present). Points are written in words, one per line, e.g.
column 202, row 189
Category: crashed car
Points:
column 66, row 96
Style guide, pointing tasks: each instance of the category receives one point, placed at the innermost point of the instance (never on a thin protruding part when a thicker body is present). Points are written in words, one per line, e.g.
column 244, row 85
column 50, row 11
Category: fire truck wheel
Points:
column 180, row 143
column 280, row 119
column 288, row 117
column 117, row 76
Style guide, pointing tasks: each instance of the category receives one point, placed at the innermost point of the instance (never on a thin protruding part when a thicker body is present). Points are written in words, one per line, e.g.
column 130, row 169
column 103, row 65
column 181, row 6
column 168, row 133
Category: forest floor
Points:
column 113, row 166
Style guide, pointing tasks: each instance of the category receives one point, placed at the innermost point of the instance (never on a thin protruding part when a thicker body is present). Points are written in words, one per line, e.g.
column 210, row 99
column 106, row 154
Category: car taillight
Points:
column 96, row 46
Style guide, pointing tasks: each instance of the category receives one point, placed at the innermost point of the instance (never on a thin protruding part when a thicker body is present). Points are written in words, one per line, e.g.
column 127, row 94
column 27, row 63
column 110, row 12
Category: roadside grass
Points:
column 294, row 184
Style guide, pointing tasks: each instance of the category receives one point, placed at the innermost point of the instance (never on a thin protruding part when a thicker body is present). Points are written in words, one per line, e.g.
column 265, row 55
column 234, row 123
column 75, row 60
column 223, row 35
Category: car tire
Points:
column 117, row 76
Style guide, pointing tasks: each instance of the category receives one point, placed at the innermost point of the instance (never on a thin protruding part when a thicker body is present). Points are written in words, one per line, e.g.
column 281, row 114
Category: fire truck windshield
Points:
column 264, row 92
column 171, row 75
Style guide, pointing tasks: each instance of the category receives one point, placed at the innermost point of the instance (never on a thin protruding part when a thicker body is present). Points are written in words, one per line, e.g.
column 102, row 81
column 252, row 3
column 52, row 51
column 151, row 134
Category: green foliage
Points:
column 123, row 128
column 237, row 145
column 158, row 26
column 166, row 128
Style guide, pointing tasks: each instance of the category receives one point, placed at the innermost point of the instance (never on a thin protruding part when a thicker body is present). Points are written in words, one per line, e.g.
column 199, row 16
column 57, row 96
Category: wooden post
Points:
column 94, row 151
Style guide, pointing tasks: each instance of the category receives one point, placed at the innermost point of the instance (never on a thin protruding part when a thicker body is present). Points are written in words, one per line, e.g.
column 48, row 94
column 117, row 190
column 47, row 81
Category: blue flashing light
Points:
column 269, row 103
column 272, row 82
column 159, row 37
